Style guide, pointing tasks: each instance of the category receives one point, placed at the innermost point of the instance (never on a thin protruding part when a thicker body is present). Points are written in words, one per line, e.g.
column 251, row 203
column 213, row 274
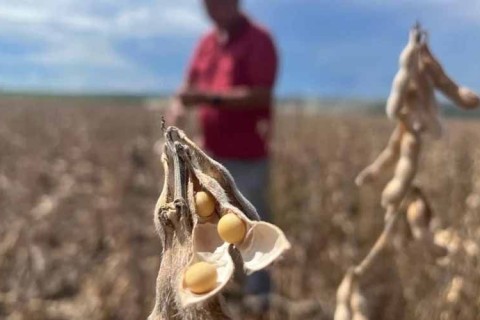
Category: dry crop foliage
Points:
column 208, row 230
column 412, row 104
column 78, row 180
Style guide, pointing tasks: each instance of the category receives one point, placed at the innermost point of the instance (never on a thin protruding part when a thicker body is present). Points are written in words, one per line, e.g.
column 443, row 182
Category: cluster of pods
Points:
column 203, row 216
column 412, row 104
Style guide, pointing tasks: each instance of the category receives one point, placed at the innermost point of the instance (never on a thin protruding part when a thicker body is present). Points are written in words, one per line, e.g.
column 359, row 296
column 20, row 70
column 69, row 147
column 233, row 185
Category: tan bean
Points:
column 204, row 204
column 201, row 277
column 231, row 228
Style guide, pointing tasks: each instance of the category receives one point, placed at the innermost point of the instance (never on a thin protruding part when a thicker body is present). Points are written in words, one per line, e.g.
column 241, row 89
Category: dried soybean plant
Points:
column 412, row 104
column 209, row 233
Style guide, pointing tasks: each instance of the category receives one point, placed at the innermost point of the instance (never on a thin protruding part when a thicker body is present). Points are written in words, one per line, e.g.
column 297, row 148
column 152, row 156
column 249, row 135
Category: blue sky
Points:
column 328, row 48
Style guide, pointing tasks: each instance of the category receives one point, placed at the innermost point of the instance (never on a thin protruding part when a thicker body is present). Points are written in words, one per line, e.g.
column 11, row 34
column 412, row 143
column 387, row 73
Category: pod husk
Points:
column 263, row 242
column 208, row 247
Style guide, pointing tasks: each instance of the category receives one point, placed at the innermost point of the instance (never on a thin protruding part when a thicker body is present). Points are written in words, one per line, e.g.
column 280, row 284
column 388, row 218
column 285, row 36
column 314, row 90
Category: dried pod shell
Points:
column 263, row 242
column 262, row 245
column 417, row 218
column 405, row 171
column 393, row 192
column 359, row 305
column 214, row 177
column 343, row 309
column 394, row 101
column 196, row 263
column 462, row 96
column 469, row 98
column 359, row 316
column 408, row 65
column 434, row 123
column 419, row 211
column 430, row 109
column 385, row 159
column 344, row 290
column 412, row 113
column 342, row 312
column 209, row 248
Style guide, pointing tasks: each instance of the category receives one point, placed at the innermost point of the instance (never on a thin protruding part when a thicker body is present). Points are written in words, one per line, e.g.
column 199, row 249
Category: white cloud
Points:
column 77, row 39
column 19, row 14
column 160, row 19
column 127, row 19
column 83, row 52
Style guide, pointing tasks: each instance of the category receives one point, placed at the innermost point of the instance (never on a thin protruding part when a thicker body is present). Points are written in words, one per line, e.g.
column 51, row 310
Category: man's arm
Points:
column 261, row 69
column 240, row 97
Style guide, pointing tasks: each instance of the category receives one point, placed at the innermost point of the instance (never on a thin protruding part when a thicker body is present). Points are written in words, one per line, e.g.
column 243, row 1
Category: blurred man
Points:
column 230, row 79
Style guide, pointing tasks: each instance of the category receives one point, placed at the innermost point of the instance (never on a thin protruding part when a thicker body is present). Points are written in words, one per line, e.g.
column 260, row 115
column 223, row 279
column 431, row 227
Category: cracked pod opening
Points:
column 263, row 242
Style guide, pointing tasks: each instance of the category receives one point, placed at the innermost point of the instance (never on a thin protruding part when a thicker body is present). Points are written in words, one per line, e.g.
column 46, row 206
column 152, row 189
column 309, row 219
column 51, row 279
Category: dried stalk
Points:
column 413, row 105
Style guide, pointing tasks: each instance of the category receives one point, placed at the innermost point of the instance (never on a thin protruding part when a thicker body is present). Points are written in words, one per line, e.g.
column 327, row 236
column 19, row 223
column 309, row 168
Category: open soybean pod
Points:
column 462, row 96
column 408, row 64
column 233, row 226
column 207, row 248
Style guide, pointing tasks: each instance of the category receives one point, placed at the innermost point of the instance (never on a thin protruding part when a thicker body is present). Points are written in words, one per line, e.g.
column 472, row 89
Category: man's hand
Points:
column 235, row 98
column 191, row 97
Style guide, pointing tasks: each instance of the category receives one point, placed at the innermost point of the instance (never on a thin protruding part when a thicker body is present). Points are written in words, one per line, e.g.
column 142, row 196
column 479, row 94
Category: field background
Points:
column 79, row 177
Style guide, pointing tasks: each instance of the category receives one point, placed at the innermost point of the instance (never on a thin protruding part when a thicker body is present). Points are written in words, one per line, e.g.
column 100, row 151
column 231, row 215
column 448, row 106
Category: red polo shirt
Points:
column 247, row 59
